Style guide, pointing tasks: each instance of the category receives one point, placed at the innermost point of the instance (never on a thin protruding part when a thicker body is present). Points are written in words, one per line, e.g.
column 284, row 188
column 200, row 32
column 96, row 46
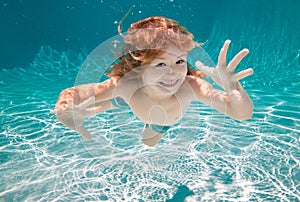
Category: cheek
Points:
column 145, row 77
column 150, row 76
column 182, row 70
column 156, row 73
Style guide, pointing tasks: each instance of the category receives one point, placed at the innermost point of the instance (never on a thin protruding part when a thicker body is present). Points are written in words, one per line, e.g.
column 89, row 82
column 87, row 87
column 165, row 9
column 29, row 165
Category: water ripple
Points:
column 215, row 157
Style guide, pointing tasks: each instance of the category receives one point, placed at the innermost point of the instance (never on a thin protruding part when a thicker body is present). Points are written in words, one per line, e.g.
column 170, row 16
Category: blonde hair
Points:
column 146, row 39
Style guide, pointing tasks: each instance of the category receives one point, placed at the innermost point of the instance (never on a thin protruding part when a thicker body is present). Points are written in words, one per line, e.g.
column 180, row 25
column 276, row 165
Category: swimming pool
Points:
column 206, row 157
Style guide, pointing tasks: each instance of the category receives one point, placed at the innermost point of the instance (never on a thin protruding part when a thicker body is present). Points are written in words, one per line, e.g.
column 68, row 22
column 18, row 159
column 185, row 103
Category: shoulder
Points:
column 112, row 82
column 123, row 86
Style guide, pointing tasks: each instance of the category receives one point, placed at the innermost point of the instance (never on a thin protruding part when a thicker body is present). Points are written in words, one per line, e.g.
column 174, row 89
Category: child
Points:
column 153, row 78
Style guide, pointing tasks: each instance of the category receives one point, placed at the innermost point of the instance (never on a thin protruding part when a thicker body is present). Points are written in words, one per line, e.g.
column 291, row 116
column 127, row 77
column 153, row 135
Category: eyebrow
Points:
column 182, row 55
column 161, row 57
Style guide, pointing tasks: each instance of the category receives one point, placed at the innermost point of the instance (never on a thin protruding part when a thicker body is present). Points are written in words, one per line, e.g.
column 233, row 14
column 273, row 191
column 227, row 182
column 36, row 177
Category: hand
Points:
column 73, row 115
column 224, row 75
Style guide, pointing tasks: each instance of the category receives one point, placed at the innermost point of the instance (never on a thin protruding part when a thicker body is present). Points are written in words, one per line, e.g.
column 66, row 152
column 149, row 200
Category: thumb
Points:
column 83, row 131
column 202, row 67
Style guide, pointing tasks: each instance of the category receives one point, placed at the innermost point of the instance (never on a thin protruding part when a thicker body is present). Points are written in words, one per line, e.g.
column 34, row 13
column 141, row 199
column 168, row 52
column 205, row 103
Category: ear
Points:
column 189, row 67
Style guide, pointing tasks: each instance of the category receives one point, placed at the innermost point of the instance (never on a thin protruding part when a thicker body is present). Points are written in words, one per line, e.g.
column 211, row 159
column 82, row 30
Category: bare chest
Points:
column 166, row 112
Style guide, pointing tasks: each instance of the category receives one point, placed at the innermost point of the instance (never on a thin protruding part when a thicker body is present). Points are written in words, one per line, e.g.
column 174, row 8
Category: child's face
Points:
column 167, row 72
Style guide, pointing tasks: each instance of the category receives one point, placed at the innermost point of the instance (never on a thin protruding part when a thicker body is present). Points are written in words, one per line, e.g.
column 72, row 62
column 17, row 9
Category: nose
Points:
column 171, row 71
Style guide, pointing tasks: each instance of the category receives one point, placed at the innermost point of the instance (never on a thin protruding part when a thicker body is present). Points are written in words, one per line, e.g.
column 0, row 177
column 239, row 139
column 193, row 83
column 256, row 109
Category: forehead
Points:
column 173, row 50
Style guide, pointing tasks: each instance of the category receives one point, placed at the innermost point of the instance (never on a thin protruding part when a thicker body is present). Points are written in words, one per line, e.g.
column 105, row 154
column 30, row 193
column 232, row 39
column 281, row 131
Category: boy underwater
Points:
column 153, row 78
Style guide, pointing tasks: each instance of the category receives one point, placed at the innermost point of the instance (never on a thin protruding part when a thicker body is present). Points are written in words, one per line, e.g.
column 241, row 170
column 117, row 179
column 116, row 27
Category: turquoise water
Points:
column 206, row 157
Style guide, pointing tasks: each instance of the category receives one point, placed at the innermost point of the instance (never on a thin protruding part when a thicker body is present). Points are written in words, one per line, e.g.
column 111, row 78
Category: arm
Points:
column 76, row 103
column 235, row 102
column 236, row 107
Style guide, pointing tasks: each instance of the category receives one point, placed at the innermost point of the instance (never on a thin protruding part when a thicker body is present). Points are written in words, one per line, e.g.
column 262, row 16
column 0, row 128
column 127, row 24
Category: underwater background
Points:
column 206, row 157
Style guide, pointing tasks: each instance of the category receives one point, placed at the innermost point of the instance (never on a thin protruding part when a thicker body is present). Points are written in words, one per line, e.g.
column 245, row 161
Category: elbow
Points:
column 242, row 115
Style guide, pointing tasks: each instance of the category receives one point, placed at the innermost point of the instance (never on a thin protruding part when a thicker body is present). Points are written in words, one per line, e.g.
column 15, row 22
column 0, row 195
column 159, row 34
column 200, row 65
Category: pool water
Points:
column 205, row 157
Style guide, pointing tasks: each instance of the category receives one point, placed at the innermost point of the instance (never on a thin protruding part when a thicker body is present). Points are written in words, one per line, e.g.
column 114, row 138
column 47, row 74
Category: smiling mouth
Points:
column 169, row 84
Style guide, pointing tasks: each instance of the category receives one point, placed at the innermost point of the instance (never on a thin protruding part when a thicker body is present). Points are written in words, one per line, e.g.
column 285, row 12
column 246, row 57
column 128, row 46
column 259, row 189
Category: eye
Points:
column 160, row 65
column 178, row 62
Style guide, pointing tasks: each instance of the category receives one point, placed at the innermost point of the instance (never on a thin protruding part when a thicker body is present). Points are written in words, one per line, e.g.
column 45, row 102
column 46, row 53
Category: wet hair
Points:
column 147, row 39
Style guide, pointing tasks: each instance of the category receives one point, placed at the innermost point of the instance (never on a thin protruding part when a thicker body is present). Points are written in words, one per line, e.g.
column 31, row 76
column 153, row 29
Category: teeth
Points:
column 169, row 83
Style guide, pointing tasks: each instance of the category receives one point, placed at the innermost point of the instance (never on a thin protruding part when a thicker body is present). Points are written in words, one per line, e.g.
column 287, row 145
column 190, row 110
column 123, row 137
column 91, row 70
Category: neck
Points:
column 151, row 92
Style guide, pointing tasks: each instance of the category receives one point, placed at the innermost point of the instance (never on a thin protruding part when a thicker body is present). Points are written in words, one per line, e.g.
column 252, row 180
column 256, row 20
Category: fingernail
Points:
column 246, row 50
column 228, row 41
column 198, row 63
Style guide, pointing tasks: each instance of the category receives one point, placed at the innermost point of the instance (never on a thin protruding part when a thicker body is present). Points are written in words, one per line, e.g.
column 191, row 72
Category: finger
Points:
column 237, row 59
column 83, row 131
column 202, row 67
column 243, row 74
column 59, row 108
column 87, row 103
column 223, row 54
column 93, row 110
column 54, row 111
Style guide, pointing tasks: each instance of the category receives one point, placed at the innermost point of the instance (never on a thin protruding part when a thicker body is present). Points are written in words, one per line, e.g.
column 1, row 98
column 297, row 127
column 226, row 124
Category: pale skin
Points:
column 160, row 93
